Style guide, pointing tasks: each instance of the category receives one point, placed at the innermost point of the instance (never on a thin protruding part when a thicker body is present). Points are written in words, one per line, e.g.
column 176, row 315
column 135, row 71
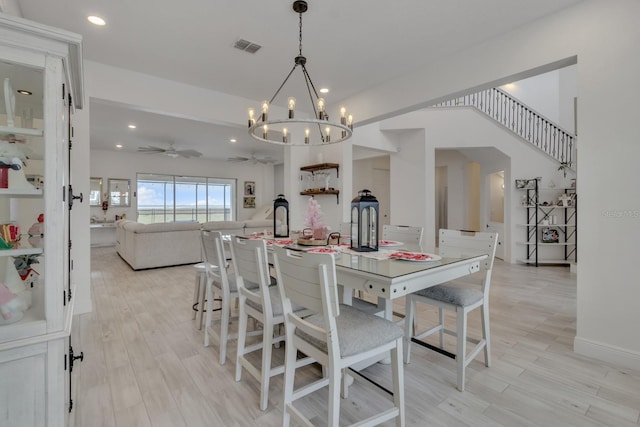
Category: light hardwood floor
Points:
column 145, row 364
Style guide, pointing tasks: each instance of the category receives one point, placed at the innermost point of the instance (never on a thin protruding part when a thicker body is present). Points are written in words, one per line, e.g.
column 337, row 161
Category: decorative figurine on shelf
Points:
column 564, row 200
column 16, row 292
column 10, row 235
column 36, row 233
column 13, row 158
column 10, row 306
column 23, row 265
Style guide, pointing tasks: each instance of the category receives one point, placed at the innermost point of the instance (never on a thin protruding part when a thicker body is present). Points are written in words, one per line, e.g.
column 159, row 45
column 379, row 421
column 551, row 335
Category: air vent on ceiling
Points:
column 247, row 46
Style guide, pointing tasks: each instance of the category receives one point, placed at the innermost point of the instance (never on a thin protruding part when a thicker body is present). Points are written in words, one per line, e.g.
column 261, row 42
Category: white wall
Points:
column 609, row 197
column 549, row 94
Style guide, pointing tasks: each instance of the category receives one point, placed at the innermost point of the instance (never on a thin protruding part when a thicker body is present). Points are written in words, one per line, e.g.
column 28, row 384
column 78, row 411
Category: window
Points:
column 167, row 198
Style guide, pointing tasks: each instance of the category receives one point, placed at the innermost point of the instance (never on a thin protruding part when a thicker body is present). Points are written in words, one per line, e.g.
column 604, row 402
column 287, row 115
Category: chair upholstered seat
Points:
column 274, row 296
column 462, row 295
column 358, row 331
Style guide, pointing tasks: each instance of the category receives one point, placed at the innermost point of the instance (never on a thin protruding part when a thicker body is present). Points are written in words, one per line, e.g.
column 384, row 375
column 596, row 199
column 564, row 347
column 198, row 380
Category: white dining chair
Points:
column 336, row 336
column 220, row 283
column 409, row 235
column 460, row 296
column 261, row 302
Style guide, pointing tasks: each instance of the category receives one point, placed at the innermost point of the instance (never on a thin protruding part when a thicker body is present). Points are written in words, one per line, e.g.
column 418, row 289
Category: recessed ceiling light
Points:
column 118, row 145
column 24, row 92
column 232, row 140
column 132, row 126
column 324, row 90
column 96, row 20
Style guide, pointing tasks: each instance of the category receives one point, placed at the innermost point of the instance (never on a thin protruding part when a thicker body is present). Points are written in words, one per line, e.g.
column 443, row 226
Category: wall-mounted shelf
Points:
column 322, row 167
column 321, row 191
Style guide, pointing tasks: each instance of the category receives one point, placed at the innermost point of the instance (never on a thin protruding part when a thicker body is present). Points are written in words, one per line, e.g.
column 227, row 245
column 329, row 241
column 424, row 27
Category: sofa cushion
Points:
column 223, row 225
column 137, row 227
column 258, row 223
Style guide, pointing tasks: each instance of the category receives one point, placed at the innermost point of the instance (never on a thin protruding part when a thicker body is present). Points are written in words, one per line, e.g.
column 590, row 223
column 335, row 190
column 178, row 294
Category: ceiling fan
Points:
column 171, row 151
column 254, row 159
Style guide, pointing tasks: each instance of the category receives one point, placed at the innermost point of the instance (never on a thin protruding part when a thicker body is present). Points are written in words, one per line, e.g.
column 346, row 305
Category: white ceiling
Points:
column 351, row 46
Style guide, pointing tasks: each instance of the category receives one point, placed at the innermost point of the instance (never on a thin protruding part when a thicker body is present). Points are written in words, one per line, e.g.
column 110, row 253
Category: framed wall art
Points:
column 249, row 188
column 249, row 202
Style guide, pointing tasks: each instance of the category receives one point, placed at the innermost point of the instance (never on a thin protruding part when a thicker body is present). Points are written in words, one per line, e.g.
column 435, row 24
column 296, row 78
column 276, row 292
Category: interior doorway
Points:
column 495, row 216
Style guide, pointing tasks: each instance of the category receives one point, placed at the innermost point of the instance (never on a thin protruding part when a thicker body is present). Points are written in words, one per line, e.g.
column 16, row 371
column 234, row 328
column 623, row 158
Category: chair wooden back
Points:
column 409, row 235
column 309, row 280
column 250, row 263
column 457, row 244
column 213, row 255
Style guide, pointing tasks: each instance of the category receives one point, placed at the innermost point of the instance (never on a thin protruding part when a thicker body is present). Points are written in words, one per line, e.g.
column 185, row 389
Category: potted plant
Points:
column 563, row 167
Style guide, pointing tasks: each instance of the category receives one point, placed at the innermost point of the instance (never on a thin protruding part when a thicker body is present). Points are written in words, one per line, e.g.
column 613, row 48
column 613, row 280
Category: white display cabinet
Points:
column 40, row 87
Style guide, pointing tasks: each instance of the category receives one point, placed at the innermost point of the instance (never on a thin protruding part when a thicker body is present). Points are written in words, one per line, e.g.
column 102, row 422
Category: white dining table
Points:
column 389, row 279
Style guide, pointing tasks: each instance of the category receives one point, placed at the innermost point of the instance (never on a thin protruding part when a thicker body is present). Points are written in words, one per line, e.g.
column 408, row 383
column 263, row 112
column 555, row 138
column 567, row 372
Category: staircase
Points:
column 522, row 121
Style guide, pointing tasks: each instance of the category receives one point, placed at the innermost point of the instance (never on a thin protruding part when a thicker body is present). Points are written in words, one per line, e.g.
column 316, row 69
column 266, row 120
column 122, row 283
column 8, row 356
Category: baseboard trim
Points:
column 607, row 353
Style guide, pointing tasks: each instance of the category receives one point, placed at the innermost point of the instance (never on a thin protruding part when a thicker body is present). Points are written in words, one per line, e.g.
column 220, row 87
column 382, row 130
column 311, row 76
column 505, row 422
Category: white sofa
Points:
column 158, row 245
column 176, row 243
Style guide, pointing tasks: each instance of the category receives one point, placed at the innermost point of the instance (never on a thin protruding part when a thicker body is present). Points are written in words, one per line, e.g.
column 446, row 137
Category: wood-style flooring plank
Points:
column 145, row 363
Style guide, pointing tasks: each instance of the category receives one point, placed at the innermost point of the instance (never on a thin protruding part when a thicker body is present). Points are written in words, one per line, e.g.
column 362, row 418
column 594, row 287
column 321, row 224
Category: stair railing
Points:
column 521, row 120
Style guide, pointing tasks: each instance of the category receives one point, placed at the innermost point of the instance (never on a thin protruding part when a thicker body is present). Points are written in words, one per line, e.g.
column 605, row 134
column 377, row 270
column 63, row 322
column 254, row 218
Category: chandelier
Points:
column 293, row 130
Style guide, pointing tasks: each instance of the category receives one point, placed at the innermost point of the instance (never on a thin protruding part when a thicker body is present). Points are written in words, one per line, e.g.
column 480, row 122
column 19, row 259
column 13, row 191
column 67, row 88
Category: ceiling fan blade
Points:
column 189, row 153
column 238, row 159
column 265, row 160
column 151, row 149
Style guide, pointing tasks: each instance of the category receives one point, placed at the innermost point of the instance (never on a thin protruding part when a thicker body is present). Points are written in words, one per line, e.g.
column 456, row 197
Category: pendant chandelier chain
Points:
column 300, row 37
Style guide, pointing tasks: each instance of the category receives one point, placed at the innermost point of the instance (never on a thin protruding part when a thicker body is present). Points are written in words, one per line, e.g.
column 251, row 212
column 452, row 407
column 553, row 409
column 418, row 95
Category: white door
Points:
column 381, row 189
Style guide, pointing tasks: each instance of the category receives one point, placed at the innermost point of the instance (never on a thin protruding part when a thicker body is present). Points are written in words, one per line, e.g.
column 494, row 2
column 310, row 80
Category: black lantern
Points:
column 364, row 222
column 280, row 217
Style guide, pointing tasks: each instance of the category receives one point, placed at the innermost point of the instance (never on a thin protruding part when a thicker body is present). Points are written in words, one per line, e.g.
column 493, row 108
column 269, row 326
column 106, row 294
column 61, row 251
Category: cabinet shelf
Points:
column 19, row 192
column 20, row 251
column 21, row 131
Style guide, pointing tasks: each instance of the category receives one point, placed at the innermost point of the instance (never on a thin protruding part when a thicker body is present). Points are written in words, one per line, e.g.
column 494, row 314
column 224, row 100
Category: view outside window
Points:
column 167, row 198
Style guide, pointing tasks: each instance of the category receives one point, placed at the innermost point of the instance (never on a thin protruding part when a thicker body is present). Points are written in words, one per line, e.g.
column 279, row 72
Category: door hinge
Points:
column 63, row 92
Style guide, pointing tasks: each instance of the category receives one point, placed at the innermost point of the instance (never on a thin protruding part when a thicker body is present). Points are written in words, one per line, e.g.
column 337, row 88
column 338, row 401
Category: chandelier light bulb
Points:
column 350, row 121
column 284, row 135
column 321, row 108
column 306, row 136
column 265, row 129
column 252, row 119
column 343, row 112
column 265, row 110
column 292, row 106
column 327, row 138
